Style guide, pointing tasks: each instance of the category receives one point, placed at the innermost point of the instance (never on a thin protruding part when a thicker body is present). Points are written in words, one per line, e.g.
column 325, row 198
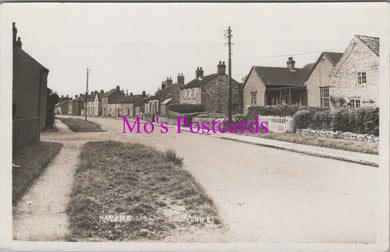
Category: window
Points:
column 361, row 77
column 324, row 96
column 253, row 98
column 354, row 103
column 194, row 93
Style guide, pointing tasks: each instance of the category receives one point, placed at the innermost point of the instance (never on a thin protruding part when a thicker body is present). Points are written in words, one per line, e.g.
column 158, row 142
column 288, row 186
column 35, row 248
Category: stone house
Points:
column 107, row 109
column 354, row 81
column 212, row 91
column 276, row 85
column 318, row 82
column 29, row 94
column 78, row 104
column 125, row 105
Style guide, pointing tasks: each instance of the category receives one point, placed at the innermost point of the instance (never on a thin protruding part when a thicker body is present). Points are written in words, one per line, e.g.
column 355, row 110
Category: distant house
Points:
column 29, row 93
column 125, row 105
column 169, row 93
column 276, row 85
column 354, row 81
column 107, row 109
column 318, row 81
column 78, row 104
column 95, row 103
column 212, row 91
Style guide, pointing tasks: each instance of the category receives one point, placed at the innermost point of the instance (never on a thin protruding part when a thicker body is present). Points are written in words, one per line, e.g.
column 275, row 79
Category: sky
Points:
column 138, row 45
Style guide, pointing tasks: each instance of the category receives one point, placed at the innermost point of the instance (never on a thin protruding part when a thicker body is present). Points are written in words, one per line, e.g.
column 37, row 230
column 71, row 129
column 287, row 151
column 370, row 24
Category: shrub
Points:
column 52, row 99
column 321, row 120
column 186, row 108
column 302, row 119
column 171, row 156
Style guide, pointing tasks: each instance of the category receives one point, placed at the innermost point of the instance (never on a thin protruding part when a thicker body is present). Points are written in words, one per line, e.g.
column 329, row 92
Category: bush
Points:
column 52, row 99
column 186, row 108
column 302, row 119
column 360, row 121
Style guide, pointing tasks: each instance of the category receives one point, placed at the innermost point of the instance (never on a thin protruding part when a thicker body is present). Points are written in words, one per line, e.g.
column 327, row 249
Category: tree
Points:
column 52, row 100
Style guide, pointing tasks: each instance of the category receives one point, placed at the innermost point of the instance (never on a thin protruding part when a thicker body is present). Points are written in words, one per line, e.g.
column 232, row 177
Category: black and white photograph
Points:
column 194, row 126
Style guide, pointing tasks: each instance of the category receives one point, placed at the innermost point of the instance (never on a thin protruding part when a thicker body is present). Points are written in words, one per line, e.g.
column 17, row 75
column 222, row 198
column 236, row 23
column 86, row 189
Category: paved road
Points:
column 265, row 194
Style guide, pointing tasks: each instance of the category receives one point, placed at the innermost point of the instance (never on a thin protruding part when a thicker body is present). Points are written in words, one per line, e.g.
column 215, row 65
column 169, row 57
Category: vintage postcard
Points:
column 194, row 126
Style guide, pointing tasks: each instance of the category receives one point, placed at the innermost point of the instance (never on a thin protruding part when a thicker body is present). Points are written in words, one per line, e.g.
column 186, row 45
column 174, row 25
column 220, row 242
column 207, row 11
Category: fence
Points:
column 278, row 123
column 25, row 131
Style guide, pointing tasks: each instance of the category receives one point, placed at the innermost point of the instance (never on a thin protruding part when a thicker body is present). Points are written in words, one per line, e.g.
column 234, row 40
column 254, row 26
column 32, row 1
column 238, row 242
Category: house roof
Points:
column 333, row 57
column 166, row 101
column 197, row 82
column 281, row 76
column 112, row 91
column 20, row 51
column 126, row 99
column 370, row 42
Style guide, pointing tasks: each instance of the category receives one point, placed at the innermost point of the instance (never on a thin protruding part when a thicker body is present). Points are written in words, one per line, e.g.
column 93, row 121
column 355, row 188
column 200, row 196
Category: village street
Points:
column 264, row 194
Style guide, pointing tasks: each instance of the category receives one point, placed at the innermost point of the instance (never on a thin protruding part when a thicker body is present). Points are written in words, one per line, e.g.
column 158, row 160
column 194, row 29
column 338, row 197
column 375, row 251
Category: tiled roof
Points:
column 370, row 42
column 333, row 57
column 199, row 81
column 126, row 99
column 282, row 76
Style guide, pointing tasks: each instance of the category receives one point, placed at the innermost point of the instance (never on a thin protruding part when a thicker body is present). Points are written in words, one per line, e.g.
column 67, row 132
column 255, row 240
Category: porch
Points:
column 286, row 96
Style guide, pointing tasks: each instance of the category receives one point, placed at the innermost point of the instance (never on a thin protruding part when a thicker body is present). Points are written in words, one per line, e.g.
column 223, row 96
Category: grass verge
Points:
column 29, row 162
column 341, row 144
column 122, row 179
column 80, row 125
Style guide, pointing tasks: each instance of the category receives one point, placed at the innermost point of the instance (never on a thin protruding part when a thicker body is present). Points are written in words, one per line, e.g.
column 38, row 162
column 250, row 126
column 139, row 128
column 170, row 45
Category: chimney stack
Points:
column 131, row 94
column 221, row 68
column 127, row 91
column 163, row 85
column 14, row 33
column 143, row 93
column 180, row 79
column 168, row 81
column 291, row 64
column 101, row 91
column 199, row 72
column 118, row 87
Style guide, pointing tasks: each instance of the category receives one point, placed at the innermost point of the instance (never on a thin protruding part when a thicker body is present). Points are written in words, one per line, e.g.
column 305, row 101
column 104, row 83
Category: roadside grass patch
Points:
column 340, row 144
column 80, row 125
column 171, row 155
column 29, row 163
column 121, row 179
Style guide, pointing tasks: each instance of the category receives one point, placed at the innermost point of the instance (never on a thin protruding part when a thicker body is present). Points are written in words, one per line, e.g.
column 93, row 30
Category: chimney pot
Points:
column 180, row 79
column 199, row 72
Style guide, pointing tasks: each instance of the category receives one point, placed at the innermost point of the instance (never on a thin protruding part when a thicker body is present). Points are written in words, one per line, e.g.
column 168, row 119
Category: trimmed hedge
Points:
column 279, row 110
column 186, row 108
column 360, row 121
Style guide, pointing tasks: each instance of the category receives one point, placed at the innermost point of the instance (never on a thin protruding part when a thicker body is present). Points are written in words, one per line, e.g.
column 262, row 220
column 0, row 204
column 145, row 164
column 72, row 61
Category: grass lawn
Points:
column 29, row 162
column 81, row 125
column 123, row 179
column 341, row 144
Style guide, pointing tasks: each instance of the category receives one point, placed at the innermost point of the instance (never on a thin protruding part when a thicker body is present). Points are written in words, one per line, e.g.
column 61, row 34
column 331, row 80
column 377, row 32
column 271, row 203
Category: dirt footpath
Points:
column 40, row 214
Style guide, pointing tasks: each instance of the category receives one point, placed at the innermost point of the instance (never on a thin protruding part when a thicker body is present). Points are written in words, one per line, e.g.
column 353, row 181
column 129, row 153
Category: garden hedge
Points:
column 186, row 108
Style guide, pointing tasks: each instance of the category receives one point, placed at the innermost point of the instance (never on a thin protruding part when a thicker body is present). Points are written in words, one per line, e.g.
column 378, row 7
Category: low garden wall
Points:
column 337, row 134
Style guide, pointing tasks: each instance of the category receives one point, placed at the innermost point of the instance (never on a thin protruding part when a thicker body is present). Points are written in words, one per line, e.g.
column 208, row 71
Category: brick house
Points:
column 276, row 85
column 107, row 109
column 354, row 81
column 318, row 82
column 29, row 93
column 212, row 91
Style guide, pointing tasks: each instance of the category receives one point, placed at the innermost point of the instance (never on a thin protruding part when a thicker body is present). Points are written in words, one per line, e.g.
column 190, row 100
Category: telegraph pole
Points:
column 86, row 95
column 229, row 36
